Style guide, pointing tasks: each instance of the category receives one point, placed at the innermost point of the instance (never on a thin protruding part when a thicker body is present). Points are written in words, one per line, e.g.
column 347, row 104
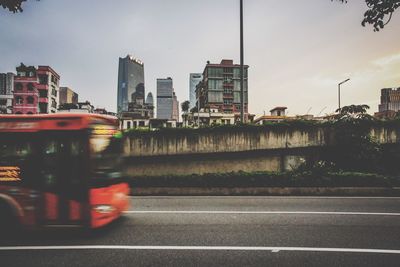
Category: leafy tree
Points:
column 353, row 112
column 379, row 12
column 193, row 110
column 185, row 108
column 12, row 5
column 354, row 148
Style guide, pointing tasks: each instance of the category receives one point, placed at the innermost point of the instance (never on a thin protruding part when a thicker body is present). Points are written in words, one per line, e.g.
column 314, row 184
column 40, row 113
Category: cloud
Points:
column 388, row 60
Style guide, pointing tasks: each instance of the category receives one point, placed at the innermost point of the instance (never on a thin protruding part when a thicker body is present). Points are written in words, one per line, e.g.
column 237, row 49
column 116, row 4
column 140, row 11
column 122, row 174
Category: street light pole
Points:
column 241, row 65
column 345, row 81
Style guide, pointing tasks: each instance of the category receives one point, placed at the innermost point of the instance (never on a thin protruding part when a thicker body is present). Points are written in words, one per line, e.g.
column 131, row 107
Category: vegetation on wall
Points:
column 268, row 179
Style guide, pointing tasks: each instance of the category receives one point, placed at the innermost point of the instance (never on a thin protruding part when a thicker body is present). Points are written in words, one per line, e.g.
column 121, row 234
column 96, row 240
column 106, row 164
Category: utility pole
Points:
column 241, row 65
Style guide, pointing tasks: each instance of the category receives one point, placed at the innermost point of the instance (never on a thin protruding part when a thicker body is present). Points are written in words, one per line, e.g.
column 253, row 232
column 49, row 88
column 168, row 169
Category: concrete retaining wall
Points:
column 234, row 150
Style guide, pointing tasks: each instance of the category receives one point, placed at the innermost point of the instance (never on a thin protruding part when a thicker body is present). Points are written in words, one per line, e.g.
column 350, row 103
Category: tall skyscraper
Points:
column 165, row 98
column 175, row 107
column 6, row 92
column 150, row 99
column 220, row 88
column 130, row 82
column 194, row 80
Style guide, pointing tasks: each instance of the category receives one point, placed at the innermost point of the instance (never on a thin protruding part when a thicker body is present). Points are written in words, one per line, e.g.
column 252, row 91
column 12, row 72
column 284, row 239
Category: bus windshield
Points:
column 105, row 147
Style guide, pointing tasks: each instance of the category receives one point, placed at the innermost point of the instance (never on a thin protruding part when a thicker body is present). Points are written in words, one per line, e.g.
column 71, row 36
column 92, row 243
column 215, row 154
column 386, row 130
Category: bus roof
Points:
column 58, row 121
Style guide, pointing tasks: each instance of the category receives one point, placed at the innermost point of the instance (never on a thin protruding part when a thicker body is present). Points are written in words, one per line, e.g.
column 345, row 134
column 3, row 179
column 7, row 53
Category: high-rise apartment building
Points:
column 220, row 88
column 390, row 100
column 26, row 94
column 194, row 80
column 68, row 96
column 48, row 87
column 130, row 83
column 166, row 99
column 6, row 92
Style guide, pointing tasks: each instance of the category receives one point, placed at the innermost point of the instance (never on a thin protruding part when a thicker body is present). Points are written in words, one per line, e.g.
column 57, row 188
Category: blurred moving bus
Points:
column 60, row 170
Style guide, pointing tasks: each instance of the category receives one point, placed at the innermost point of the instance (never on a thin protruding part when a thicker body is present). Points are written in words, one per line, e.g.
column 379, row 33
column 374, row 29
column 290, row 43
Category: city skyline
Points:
column 292, row 51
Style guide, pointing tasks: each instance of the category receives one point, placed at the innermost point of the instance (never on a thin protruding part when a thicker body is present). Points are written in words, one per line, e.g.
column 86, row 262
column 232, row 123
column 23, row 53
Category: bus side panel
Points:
column 115, row 197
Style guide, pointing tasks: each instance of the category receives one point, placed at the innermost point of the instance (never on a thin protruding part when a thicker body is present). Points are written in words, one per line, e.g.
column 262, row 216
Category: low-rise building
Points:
column 127, row 123
column 208, row 117
column 278, row 114
column 68, row 96
column 80, row 107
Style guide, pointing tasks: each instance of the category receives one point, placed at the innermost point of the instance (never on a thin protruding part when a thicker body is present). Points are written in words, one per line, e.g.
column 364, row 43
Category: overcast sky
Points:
column 297, row 50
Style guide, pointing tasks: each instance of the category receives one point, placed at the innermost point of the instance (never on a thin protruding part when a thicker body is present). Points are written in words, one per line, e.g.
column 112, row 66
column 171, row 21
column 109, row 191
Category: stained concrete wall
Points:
column 188, row 166
column 239, row 150
column 227, row 142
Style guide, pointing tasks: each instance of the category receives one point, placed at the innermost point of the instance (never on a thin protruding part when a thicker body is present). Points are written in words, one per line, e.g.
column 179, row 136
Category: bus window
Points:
column 64, row 162
column 51, row 150
column 16, row 159
column 16, row 150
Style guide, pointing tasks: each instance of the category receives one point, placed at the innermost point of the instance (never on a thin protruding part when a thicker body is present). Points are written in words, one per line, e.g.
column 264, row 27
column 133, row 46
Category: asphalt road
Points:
column 225, row 231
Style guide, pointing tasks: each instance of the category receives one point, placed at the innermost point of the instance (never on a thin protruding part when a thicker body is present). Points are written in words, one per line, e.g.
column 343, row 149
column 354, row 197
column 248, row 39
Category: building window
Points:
column 43, row 79
column 128, row 125
column 30, row 100
column 18, row 86
column 29, row 113
column 18, row 113
column 19, row 100
column 215, row 72
column 43, row 93
column 31, row 87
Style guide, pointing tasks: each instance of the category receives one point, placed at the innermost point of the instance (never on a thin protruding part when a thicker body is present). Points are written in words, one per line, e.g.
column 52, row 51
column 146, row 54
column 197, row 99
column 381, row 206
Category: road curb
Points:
column 266, row 191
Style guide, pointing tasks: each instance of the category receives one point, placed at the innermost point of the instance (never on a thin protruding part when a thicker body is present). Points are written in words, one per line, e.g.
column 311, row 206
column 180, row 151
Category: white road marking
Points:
column 260, row 212
column 204, row 248
column 261, row 197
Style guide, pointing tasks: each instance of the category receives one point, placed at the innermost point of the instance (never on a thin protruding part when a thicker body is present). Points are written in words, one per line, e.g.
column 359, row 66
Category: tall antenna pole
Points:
column 241, row 65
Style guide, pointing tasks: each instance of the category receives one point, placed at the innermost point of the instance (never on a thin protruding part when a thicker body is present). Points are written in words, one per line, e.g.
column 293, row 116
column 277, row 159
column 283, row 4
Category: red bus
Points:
column 60, row 170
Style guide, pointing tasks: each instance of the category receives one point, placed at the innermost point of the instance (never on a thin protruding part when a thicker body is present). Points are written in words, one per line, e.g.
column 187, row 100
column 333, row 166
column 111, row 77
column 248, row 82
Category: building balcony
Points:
column 42, row 86
column 228, row 106
column 228, row 96
column 43, row 100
